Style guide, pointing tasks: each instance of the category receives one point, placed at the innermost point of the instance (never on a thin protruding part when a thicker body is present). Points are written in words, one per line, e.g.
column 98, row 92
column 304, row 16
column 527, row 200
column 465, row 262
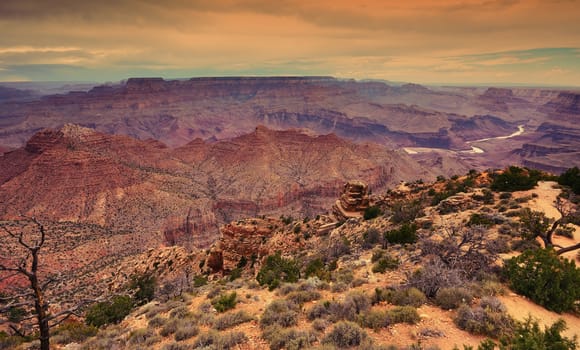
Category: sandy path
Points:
column 519, row 308
column 545, row 202
column 546, row 199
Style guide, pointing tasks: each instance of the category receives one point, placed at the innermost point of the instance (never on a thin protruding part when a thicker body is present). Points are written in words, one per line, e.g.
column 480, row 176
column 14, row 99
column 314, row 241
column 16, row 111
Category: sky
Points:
column 467, row 42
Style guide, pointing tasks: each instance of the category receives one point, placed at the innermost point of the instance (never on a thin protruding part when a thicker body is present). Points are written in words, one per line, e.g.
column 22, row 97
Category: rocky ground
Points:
column 253, row 239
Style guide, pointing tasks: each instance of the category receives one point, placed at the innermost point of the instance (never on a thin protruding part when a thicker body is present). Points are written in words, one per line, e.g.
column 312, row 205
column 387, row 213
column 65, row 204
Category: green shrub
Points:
column 283, row 313
column 345, row 334
column 406, row 211
column 529, row 336
column 109, row 311
column 407, row 296
column 571, row 178
column 10, row 341
column 15, row 314
column 317, row 268
column 225, row 302
column 144, row 287
column 375, row 319
column 403, row 314
column 235, row 274
column 452, row 298
column 477, row 219
column 372, row 212
column 546, row 278
column 277, row 269
column 385, row 263
column 231, row 320
column 199, row 281
column 73, row 332
column 515, row 179
column 407, row 233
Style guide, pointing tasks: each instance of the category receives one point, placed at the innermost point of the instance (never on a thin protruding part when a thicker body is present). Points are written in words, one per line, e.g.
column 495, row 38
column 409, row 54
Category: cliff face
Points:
column 565, row 103
column 79, row 175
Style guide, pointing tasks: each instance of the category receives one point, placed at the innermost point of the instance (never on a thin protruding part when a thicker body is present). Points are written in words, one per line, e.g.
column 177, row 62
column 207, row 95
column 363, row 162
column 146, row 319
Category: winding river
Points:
column 473, row 150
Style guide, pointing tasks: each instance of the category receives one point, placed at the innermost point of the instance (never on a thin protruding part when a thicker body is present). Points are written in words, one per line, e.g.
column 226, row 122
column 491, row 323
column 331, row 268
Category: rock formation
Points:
column 353, row 200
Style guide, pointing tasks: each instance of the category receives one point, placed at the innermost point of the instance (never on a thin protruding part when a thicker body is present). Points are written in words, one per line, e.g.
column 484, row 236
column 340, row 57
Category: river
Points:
column 473, row 150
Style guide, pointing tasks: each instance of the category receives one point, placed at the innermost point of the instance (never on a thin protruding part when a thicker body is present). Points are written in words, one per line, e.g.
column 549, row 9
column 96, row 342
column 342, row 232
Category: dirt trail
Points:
column 547, row 192
column 520, row 307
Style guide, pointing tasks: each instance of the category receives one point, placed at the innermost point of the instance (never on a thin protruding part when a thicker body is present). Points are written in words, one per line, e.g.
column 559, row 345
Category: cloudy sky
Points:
column 534, row 42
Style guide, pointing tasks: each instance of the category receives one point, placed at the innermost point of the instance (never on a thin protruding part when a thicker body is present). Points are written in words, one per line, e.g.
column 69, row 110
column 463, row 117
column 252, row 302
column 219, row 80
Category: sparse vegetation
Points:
column 345, row 334
column 109, row 312
column 277, row 269
column 407, row 233
column 283, row 313
column 232, row 319
column 225, row 302
column 452, row 298
column 219, row 340
column 186, row 330
column 405, row 296
column 73, row 332
column 288, row 338
column 488, row 318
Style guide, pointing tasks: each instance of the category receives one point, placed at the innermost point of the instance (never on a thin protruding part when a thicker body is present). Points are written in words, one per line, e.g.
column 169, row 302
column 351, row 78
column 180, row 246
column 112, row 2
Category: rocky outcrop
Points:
column 353, row 200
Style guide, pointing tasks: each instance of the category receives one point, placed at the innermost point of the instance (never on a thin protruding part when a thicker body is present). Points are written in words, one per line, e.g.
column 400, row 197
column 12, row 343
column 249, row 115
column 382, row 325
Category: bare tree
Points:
column 462, row 247
column 536, row 224
column 20, row 257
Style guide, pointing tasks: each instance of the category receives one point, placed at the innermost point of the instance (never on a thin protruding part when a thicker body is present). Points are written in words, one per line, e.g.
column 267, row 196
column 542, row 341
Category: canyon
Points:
column 129, row 174
column 176, row 112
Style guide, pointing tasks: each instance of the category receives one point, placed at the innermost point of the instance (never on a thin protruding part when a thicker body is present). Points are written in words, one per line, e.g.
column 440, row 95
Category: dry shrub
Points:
column 219, row 340
column 156, row 322
column 403, row 314
column 289, row 339
column 283, row 313
column 406, row 296
column 489, row 318
column 185, row 331
column 231, row 319
column 301, row 297
column 140, row 336
column 452, row 298
column 345, row 334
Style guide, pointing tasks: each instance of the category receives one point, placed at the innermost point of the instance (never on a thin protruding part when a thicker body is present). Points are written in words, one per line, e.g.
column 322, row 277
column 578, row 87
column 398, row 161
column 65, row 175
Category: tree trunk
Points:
column 41, row 313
